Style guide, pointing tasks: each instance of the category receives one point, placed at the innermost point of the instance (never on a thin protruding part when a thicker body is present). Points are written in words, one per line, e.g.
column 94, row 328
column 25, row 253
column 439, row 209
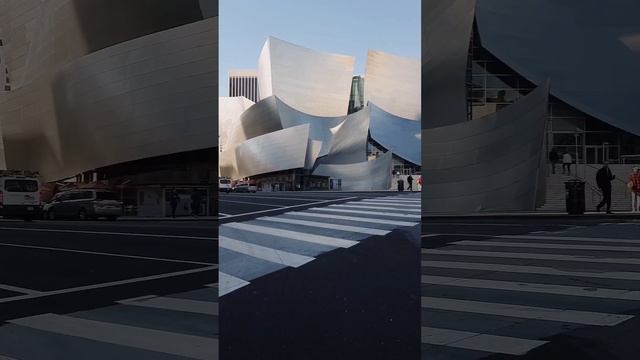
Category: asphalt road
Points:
column 319, row 276
column 108, row 290
column 530, row 288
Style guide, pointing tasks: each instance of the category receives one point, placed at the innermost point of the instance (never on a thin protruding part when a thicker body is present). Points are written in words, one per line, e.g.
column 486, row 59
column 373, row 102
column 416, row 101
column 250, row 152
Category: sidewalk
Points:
column 159, row 218
column 534, row 214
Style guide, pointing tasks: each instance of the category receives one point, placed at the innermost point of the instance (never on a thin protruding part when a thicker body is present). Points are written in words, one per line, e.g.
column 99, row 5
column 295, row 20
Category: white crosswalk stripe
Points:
column 543, row 268
column 255, row 248
column 188, row 329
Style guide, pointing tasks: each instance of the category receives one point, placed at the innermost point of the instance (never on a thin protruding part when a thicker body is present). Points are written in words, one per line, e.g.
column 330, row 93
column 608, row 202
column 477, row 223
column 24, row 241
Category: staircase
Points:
column 556, row 193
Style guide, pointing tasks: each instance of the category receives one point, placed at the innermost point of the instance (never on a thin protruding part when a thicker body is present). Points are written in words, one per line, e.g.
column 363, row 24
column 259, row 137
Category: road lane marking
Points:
column 539, row 270
column 349, row 205
column 546, row 246
column 191, row 346
column 525, row 312
column 105, row 254
column 352, row 218
column 175, row 304
column 396, row 200
column 568, row 238
column 18, row 290
column 248, row 202
column 229, row 283
column 325, row 225
column 602, row 293
column 535, row 256
column 107, row 284
column 108, row 233
column 372, row 202
column 271, row 197
column 6, row 358
column 295, row 235
column 264, row 253
column 479, row 342
column 290, row 207
column 413, row 216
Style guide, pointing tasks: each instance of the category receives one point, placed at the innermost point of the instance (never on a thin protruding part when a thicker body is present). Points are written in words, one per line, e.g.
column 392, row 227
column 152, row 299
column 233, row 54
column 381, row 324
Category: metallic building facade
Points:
column 303, row 112
column 86, row 95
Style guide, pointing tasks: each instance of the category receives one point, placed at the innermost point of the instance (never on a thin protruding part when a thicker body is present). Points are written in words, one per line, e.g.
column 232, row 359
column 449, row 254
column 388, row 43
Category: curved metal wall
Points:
column 588, row 51
column 315, row 83
column 230, row 110
column 260, row 119
column 349, row 141
column 401, row 136
column 489, row 164
column 393, row 84
column 446, row 32
column 147, row 97
column 362, row 176
column 280, row 150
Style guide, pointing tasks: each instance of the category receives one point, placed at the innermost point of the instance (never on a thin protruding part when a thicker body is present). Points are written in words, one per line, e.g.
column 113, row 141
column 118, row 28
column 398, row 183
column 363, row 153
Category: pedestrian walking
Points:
column 603, row 180
column 174, row 202
column 567, row 160
column 195, row 202
column 419, row 181
column 634, row 186
column 553, row 159
column 410, row 183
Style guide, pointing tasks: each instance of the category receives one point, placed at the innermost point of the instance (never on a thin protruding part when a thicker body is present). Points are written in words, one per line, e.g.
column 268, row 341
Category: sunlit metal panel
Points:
column 279, row 150
column 401, row 136
column 393, row 84
column 312, row 82
column 362, row 176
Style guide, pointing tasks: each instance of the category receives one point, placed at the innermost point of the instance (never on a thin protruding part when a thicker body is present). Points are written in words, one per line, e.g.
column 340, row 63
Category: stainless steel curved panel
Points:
column 349, row 139
column 393, row 84
column 312, row 82
column 587, row 51
column 279, row 150
column 362, row 176
column 3, row 162
column 147, row 97
column 227, row 164
column 446, row 32
column 230, row 110
column 319, row 126
column 401, row 136
column 493, row 163
column 260, row 119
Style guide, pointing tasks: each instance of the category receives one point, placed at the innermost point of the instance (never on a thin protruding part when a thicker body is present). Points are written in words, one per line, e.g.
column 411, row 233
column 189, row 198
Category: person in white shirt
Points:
column 567, row 160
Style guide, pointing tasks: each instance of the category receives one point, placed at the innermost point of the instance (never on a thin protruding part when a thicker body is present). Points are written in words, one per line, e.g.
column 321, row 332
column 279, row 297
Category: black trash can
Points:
column 575, row 197
column 400, row 185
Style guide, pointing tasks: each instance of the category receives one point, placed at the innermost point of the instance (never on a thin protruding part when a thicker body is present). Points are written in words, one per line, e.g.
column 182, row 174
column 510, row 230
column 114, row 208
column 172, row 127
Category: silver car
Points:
column 84, row 204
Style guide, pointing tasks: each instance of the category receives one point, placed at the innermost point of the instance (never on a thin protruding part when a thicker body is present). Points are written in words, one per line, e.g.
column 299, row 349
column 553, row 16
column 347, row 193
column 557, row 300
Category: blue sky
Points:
column 349, row 27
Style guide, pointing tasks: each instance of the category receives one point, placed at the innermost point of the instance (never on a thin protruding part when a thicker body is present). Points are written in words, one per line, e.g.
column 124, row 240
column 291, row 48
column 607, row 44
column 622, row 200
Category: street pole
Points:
column 576, row 136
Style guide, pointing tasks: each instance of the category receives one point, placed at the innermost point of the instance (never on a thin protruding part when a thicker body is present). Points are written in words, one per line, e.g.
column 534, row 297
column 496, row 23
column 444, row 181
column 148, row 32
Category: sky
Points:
column 349, row 27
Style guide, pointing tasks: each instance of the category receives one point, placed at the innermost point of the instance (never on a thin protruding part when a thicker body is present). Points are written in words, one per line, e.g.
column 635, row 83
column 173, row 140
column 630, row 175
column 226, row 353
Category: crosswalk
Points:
column 252, row 249
column 171, row 327
column 509, row 294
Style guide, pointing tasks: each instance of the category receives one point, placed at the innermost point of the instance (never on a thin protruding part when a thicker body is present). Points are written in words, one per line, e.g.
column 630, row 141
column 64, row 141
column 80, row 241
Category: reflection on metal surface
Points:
column 230, row 110
column 349, row 140
column 279, row 150
column 151, row 96
column 69, row 112
column 577, row 47
column 393, row 84
column 447, row 26
column 489, row 164
column 367, row 175
column 401, row 136
column 312, row 82
column 3, row 163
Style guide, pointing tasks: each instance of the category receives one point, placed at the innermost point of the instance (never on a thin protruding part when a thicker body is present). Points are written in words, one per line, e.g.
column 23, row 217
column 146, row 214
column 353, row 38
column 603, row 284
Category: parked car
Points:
column 84, row 204
column 224, row 184
column 245, row 186
column 19, row 195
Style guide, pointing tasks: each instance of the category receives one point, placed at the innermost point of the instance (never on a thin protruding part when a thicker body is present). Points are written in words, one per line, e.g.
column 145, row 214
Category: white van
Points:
column 19, row 195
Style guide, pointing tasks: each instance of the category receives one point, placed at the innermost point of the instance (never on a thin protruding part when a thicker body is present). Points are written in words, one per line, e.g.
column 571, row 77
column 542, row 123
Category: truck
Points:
column 20, row 195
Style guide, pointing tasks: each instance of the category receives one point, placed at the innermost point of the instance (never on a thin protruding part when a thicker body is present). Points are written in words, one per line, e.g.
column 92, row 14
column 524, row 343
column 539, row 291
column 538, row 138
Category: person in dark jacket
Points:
column 554, row 157
column 174, row 202
column 603, row 180
column 196, row 199
column 410, row 183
